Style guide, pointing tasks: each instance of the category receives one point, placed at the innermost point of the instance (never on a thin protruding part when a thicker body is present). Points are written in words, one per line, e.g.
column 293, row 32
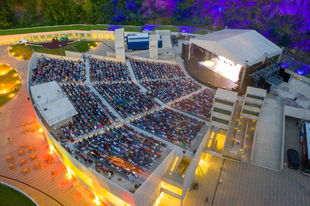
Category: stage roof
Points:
column 238, row 45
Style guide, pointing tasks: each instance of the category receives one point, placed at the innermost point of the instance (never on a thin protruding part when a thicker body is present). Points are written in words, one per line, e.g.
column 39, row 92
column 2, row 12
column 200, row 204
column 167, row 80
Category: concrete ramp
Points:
column 166, row 41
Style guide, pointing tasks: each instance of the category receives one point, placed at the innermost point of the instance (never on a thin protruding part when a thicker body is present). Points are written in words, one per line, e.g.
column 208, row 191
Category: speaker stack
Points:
column 261, row 82
column 286, row 77
column 185, row 49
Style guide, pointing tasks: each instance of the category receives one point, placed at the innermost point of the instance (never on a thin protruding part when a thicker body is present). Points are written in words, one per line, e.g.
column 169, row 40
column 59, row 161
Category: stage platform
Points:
column 208, row 77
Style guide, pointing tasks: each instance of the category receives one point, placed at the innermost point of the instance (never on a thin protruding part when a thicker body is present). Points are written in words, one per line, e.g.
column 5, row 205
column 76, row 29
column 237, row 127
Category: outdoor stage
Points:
column 207, row 76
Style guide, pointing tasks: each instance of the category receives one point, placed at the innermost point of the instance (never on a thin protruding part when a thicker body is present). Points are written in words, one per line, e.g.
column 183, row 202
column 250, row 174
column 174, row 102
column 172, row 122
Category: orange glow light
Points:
column 69, row 175
column 52, row 149
column 96, row 200
column 41, row 130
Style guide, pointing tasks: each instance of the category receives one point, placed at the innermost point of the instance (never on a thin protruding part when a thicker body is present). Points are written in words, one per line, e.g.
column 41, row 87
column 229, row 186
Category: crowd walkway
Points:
column 87, row 71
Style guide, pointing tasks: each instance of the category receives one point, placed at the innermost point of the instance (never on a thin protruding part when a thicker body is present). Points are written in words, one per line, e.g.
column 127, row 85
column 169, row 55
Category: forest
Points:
column 285, row 22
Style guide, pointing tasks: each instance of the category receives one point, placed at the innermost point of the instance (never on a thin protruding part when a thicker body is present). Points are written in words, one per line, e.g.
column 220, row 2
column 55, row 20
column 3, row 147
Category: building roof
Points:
column 52, row 103
column 238, row 45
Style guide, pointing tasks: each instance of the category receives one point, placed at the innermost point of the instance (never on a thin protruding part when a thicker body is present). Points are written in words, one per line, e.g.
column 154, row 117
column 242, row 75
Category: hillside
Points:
column 285, row 22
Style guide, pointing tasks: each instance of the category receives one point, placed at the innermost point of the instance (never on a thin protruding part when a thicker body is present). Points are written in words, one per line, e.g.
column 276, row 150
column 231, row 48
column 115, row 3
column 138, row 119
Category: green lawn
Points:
column 11, row 197
column 56, row 28
column 88, row 28
column 171, row 28
column 19, row 49
column 9, row 82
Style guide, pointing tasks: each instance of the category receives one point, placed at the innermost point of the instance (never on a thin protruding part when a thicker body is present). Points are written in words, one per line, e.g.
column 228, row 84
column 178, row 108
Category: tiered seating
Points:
column 125, row 98
column 198, row 104
column 102, row 70
column 173, row 126
column 121, row 149
column 49, row 69
column 91, row 111
column 171, row 89
column 155, row 70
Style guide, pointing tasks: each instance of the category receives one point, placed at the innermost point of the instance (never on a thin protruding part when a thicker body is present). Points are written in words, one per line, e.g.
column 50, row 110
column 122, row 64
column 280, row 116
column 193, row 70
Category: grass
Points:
column 133, row 29
column 19, row 49
column 171, row 28
column 9, row 82
column 56, row 28
column 88, row 28
column 11, row 197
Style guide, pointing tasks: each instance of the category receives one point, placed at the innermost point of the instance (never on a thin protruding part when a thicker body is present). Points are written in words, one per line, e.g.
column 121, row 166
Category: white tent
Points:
column 238, row 45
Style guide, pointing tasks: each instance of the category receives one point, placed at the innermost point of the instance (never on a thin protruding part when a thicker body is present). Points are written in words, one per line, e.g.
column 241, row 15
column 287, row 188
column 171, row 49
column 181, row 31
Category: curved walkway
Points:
column 13, row 113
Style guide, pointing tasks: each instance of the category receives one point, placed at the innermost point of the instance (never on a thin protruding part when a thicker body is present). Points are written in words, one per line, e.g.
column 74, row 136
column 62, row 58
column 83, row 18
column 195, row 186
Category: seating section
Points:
column 155, row 70
column 92, row 113
column 102, row 70
column 170, row 125
column 125, row 98
column 120, row 149
column 49, row 69
column 198, row 104
column 171, row 89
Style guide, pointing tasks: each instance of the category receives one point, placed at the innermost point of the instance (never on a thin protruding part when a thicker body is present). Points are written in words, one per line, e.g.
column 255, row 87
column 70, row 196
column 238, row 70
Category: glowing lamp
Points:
column 96, row 200
column 20, row 57
column 13, row 53
column 3, row 92
column 209, row 63
column 69, row 175
column 52, row 149
column 91, row 47
column 41, row 130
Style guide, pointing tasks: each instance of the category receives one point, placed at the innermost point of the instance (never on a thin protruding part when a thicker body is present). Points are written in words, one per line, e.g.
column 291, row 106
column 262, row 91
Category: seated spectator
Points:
column 170, row 125
column 171, row 89
column 155, row 70
column 49, row 69
column 125, row 98
column 120, row 149
column 103, row 70
column 198, row 104
column 92, row 113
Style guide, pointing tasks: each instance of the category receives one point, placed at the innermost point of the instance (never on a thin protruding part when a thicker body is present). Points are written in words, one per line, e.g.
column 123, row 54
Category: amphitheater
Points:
column 135, row 130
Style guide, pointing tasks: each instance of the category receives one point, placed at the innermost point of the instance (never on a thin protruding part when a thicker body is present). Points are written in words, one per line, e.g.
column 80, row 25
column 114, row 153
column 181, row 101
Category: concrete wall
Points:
column 148, row 192
column 119, row 43
column 152, row 60
column 47, row 36
column 78, row 55
column 153, row 47
column 190, row 172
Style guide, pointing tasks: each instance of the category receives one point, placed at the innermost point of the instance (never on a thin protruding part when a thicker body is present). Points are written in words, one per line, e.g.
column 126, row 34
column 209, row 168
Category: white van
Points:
column 23, row 41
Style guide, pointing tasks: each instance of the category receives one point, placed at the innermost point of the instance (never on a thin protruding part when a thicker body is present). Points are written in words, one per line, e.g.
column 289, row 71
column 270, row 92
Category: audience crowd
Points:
column 155, row 70
column 198, row 104
column 49, row 69
column 125, row 98
column 173, row 126
column 102, row 70
column 171, row 89
column 92, row 113
column 120, row 149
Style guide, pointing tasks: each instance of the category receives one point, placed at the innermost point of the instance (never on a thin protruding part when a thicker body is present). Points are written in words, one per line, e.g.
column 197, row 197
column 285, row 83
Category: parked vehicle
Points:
column 55, row 39
column 23, row 41
column 64, row 38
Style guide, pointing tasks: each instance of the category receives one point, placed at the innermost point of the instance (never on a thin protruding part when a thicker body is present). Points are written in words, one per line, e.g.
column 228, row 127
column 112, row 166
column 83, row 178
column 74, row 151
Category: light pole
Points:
column 24, row 55
column 88, row 46
column 60, row 49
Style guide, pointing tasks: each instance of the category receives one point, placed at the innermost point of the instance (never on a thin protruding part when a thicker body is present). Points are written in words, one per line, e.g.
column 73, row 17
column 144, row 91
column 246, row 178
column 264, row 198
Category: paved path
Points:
column 87, row 71
column 13, row 113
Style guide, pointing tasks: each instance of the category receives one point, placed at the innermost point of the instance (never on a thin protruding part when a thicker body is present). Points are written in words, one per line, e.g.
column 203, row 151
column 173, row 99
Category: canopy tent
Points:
column 238, row 45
